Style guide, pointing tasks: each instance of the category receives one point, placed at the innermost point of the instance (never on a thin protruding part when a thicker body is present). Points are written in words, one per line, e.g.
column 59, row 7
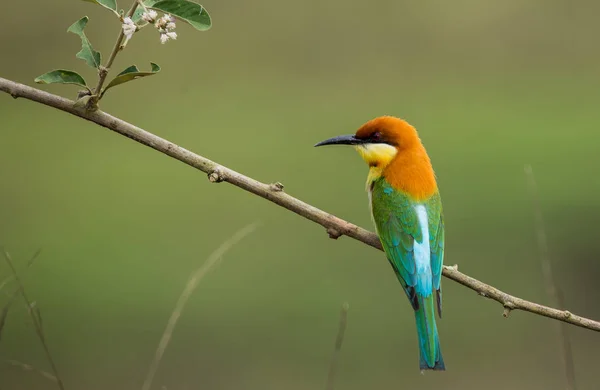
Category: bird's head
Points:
column 379, row 140
column 392, row 149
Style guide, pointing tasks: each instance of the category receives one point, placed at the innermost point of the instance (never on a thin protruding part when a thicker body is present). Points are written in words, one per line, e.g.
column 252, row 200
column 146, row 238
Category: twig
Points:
column 4, row 314
column 29, row 367
column 103, row 70
column 192, row 283
column 9, row 278
column 13, row 295
column 36, row 318
column 339, row 340
column 218, row 173
column 552, row 287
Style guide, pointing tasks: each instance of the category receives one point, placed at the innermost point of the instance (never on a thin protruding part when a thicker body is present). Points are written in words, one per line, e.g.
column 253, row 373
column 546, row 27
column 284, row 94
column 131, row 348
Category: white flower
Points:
column 128, row 28
column 166, row 22
column 165, row 25
column 165, row 36
column 150, row 16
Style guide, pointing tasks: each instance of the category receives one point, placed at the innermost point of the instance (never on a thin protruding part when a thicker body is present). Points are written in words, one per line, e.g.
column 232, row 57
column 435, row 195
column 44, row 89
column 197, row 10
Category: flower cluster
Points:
column 165, row 25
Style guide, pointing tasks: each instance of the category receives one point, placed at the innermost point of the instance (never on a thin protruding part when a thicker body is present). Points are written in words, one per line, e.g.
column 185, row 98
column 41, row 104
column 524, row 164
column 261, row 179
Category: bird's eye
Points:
column 376, row 136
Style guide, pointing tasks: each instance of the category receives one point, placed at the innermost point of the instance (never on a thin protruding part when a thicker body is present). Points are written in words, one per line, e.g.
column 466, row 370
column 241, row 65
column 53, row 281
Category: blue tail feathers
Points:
column 429, row 342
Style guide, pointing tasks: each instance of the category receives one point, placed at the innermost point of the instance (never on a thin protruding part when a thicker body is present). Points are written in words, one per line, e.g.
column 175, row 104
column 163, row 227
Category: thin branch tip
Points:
column 508, row 307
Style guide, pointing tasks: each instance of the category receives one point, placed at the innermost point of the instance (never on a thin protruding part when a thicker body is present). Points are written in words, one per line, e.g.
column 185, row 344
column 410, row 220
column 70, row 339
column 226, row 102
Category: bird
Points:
column 406, row 209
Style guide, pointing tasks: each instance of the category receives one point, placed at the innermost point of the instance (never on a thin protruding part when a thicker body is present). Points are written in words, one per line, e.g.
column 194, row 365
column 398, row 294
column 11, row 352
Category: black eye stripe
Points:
column 376, row 137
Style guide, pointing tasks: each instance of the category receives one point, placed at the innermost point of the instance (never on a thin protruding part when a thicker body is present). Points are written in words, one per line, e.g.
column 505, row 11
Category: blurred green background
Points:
column 490, row 85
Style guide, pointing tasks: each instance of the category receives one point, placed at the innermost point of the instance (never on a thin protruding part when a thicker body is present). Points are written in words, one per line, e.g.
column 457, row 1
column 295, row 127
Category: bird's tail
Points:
column 429, row 342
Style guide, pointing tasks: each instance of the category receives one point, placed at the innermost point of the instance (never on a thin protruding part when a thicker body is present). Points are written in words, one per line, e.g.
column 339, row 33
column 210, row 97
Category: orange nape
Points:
column 409, row 168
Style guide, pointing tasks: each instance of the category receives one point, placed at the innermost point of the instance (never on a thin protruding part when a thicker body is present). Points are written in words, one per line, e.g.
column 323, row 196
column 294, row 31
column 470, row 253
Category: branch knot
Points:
column 102, row 72
column 334, row 233
column 276, row 187
column 215, row 176
column 508, row 307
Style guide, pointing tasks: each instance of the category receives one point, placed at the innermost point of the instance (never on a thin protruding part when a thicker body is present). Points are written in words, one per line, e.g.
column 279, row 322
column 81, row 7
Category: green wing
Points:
column 436, row 243
column 398, row 227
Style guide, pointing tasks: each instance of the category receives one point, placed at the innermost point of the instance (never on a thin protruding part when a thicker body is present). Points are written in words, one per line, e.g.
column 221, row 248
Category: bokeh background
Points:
column 490, row 85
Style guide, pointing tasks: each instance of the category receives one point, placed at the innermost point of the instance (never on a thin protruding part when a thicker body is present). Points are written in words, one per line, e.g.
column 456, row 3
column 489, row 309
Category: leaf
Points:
column 129, row 74
column 137, row 15
column 110, row 4
column 188, row 11
column 87, row 52
column 61, row 76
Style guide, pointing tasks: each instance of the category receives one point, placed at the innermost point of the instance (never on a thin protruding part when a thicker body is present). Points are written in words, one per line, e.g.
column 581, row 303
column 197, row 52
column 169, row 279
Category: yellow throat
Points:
column 378, row 156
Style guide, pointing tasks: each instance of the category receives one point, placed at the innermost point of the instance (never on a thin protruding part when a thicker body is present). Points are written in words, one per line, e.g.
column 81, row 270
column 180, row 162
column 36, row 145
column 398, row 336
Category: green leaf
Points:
column 87, row 52
column 188, row 11
column 131, row 74
column 137, row 15
column 110, row 4
column 61, row 76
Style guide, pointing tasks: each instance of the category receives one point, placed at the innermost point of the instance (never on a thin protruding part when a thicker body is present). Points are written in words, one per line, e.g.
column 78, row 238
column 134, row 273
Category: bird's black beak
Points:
column 342, row 140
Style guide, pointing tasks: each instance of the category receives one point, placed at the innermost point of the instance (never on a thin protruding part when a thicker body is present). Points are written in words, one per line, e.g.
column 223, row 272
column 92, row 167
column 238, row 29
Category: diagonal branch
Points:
column 335, row 226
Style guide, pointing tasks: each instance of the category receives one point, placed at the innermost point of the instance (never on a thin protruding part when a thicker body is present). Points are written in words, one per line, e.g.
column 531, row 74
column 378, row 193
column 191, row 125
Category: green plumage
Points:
column 400, row 231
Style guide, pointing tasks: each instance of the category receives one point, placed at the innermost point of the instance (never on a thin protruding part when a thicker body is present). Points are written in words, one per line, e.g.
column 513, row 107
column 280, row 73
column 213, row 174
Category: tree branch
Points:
column 335, row 226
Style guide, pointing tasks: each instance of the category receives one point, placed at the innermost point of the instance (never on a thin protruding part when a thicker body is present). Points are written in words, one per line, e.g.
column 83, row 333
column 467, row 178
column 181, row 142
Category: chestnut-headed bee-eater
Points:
column 407, row 212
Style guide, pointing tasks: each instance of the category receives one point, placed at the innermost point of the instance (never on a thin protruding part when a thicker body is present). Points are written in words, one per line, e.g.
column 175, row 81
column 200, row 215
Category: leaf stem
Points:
column 103, row 71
